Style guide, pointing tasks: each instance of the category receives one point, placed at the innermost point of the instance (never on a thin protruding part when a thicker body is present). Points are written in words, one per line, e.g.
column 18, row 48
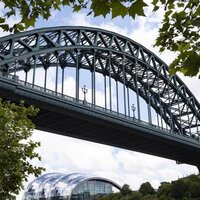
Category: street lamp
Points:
column 133, row 109
column 84, row 90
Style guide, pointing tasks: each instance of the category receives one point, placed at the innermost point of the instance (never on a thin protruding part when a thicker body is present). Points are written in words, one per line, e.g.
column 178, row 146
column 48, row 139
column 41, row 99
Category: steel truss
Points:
column 116, row 57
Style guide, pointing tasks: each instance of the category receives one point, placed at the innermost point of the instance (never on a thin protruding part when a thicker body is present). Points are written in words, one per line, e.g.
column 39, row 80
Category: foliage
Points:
column 17, row 150
column 135, row 196
column 193, row 183
column 125, row 190
column 163, row 191
column 112, row 196
column 182, row 189
column 150, row 197
column 178, row 189
column 146, row 189
column 179, row 30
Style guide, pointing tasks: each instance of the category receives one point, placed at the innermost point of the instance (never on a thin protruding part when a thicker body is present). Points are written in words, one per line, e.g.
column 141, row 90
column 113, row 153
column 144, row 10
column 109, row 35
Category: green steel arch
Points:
column 114, row 56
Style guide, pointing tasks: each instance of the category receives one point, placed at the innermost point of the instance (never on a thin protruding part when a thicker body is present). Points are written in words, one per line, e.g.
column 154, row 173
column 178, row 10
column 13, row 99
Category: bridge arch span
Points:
column 112, row 55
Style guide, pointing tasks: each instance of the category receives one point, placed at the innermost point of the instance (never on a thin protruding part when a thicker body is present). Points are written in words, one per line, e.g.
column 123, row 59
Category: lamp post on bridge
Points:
column 133, row 109
column 85, row 91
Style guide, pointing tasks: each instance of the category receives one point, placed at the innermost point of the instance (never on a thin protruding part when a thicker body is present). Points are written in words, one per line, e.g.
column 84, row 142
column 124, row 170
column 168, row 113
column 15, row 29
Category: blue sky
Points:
column 65, row 154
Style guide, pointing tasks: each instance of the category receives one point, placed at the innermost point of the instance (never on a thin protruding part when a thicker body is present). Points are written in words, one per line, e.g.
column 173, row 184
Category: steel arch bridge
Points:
column 122, row 77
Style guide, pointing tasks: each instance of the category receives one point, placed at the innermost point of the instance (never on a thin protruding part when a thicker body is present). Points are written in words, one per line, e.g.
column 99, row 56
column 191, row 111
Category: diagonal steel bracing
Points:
column 118, row 59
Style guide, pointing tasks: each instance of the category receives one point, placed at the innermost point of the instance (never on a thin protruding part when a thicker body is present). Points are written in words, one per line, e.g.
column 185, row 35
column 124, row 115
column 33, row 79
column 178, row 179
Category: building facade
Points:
column 58, row 186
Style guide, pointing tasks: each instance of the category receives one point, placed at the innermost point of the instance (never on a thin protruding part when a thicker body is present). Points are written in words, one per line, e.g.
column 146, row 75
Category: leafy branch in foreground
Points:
column 179, row 30
column 180, row 33
column 16, row 148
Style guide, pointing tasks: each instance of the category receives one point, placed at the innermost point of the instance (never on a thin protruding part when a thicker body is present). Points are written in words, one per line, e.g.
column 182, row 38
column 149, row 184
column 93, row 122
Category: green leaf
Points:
column 57, row 2
column 29, row 22
column 137, row 8
column 165, row 26
column 155, row 8
column 163, row 1
column 118, row 9
column 5, row 27
column 171, row 6
column 20, row 27
column 2, row 20
column 183, row 46
column 65, row 2
column 76, row 8
column 191, row 64
column 168, row 13
column 196, row 22
column 154, row 2
column 100, row 7
column 180, row 5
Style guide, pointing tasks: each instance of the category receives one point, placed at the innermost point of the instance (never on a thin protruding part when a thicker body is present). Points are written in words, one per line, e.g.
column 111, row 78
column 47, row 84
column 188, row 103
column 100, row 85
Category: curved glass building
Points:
column 57, row 186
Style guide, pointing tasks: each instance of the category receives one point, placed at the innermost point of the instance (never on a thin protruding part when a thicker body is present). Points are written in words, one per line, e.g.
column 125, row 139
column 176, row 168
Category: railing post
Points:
column 94, row 79
column 110, row 84
column 117, row 96
column 34, row 68
column 105, row 91
column 77, row 73
column 124, row 84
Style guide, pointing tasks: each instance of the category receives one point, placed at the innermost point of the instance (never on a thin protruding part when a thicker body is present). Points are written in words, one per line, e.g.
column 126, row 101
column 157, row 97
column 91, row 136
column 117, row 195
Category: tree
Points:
column 193, row 185
column 146, row 189
column 16, row 147
column 164, row 190
column 179, row 30
column 125, row 190
column 178, row 189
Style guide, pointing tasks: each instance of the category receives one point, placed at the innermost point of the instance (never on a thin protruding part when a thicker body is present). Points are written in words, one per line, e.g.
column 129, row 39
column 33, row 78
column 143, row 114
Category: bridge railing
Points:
column 98, row 108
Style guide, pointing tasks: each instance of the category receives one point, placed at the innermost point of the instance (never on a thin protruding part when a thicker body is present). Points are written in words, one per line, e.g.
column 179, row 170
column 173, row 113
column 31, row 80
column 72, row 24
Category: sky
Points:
column 68, row 155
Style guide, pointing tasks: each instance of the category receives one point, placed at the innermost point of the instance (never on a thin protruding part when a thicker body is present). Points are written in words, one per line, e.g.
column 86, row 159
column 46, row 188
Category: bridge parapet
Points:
column 88, row 105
